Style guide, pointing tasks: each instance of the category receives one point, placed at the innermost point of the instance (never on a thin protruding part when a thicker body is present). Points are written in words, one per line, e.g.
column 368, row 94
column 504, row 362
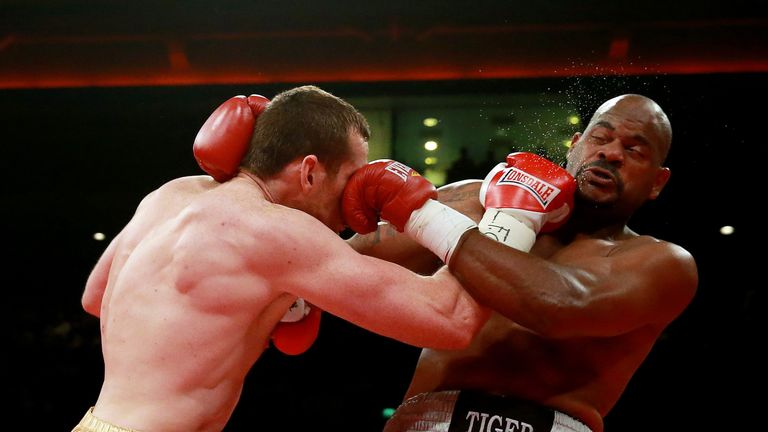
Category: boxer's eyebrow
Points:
column 637, row 137
column 605, row 124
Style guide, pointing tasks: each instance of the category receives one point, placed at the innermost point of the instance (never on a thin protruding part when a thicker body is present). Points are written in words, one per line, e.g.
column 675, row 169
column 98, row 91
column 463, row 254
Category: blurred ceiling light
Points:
column 430, row 122
column 726, row 230
column 430, row 145
column 431, row 160
column 574, row 120
column 567, row 143
column 99, row 236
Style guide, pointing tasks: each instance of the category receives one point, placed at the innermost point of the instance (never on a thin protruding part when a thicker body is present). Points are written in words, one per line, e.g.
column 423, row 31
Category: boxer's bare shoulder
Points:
column 670, row 271
column 638, row 279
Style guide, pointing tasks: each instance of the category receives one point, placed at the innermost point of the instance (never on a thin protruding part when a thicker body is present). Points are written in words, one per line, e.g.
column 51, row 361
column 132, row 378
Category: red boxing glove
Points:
column 537, row 193
column 384, row 188
column 224, row 138
column 293, row 335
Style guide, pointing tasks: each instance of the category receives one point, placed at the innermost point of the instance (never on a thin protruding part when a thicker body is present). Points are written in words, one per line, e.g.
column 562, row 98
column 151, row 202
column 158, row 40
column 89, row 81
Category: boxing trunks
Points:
column 90, row 423
column 470, row 411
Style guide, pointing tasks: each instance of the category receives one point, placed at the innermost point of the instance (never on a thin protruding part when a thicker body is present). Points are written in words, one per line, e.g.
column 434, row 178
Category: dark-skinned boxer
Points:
column 577, row 314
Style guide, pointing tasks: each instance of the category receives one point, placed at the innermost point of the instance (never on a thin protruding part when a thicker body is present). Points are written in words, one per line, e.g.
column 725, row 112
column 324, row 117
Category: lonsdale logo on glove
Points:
column 544, row 192
column 516, row 215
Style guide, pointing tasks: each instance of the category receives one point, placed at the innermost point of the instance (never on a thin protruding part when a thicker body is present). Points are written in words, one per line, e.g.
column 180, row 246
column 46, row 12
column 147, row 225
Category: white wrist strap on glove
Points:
column 438, row 228
column 505, row 228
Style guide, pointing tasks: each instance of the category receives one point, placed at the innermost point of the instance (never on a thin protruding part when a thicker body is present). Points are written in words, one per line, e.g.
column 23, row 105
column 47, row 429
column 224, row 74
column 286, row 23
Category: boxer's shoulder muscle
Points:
column 666, row 255
column 665, row 260
column 664, row 271
column 276, row 238
column 628, row 282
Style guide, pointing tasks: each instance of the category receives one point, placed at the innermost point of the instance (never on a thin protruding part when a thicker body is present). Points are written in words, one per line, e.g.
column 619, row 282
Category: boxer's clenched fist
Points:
column 298, row 329
column 525, row 196
column 384, row 189
column 399, row 195
column 224, row 138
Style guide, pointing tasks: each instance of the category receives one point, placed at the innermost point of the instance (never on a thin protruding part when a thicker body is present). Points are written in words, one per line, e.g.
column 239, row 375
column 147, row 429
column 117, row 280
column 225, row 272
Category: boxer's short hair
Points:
column 302, row 121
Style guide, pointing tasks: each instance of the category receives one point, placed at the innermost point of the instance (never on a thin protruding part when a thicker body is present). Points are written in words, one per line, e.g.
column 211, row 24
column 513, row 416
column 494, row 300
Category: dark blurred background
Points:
column 101, row 101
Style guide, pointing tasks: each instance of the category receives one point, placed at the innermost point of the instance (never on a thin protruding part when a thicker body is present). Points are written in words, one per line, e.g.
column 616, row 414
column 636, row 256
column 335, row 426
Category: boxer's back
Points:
column 180, row 311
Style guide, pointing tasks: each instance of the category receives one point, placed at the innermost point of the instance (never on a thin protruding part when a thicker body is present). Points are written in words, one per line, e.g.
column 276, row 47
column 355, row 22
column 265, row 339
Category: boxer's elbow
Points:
column 454, row 339
column 91, row 305
column 467, row 326
column 93, row 294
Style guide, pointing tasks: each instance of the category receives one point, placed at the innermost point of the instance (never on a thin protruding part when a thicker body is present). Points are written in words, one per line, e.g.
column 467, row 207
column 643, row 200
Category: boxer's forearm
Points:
column 388, row 244
column 517, row 285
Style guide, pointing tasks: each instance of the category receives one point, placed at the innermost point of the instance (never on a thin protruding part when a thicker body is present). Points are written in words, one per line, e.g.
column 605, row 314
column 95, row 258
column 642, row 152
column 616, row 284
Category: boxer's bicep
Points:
column 388, row 299
column 434, row 311
column 599, row 296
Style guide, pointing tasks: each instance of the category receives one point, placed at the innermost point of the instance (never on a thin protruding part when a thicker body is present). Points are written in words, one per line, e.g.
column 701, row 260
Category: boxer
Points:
column 192, row 289
column 576, row 308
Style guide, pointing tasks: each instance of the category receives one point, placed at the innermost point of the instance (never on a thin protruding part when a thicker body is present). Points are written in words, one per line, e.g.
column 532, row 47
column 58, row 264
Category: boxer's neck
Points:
column 259, row 183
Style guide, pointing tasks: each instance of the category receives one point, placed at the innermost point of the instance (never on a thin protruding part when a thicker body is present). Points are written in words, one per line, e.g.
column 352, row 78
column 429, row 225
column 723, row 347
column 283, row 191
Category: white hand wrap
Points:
column 438, row 228
column 505, row 228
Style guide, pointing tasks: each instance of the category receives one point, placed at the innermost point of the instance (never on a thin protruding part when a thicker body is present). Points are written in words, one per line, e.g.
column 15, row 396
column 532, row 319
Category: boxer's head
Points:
column 618, row 159
column 304, row 121
column 313, row 141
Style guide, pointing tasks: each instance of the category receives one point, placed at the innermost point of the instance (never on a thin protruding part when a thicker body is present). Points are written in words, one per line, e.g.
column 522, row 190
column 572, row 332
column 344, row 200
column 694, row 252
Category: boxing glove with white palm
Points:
column 396, row 193
column 525, row 196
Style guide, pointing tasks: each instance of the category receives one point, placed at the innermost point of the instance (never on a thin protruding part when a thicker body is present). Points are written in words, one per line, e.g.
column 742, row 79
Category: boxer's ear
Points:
column 574, row 139
column 662, row 176
column 308, row 171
